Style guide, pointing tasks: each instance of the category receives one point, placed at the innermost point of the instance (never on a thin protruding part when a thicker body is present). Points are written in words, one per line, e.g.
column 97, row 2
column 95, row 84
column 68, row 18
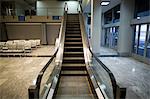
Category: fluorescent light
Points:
column 105, row 3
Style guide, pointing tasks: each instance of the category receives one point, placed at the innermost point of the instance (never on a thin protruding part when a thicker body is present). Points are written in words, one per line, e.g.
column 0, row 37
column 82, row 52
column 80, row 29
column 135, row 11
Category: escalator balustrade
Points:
column 74, row 82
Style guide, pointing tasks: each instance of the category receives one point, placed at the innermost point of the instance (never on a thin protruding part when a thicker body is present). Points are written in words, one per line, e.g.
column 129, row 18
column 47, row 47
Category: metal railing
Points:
column 38, row 90
column 103, row 76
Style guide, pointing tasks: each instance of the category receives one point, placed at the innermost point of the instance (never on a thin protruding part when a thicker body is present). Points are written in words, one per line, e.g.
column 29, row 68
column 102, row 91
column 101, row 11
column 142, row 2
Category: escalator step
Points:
column 73, row 58
column 74, row 65
column 73, row 68
column 73, row 26
column 72, row 29
column 73, row 34
column 73, row 54
column 73, row 49
column 73, row 39
column 74, row 73
column 73, row 42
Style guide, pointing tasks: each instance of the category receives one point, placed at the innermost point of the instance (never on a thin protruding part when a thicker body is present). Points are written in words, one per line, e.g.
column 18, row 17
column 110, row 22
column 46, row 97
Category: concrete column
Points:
column 44, row 34
column 95, row 25
column 125, row 30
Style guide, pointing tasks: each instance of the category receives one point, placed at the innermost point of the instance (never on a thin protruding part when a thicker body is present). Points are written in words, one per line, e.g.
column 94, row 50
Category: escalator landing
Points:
column 74, row 87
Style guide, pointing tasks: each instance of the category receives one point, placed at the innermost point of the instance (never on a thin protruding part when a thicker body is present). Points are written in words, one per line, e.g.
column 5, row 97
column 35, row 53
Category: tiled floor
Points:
column 17, row 74
column 107, row 51
column 132, row 74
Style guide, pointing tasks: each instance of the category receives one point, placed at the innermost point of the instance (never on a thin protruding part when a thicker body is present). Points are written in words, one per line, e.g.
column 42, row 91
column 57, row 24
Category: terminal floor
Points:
column 17, row 74
column 107, row 51
column 132, row 74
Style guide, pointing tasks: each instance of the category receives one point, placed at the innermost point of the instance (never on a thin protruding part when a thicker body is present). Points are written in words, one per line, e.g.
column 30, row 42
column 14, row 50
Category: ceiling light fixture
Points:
column 105, row 2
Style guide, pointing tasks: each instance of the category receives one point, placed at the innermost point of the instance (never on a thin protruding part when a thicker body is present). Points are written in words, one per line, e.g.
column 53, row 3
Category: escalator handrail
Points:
column 59, row 56
column 41, row 73
column 112, row 77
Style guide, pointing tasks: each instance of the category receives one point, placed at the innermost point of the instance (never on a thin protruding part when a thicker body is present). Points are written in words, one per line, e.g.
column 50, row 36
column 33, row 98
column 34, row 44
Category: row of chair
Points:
column 19, row 45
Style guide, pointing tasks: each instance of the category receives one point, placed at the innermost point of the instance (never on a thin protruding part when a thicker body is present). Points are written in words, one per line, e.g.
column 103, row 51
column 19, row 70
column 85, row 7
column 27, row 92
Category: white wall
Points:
column 50, row 8
column 72, row 6
column 55, row 7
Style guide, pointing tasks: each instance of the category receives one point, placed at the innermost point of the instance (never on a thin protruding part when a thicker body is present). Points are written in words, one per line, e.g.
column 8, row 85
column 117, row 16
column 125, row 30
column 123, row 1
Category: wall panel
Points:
column 20, row 31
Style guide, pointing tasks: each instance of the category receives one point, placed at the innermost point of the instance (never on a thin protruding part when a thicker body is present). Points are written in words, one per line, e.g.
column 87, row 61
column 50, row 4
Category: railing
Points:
column 103, row 76
column 47, row 80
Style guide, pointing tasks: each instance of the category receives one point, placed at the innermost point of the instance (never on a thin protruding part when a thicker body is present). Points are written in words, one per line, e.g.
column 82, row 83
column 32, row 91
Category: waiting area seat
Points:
column 19, row 46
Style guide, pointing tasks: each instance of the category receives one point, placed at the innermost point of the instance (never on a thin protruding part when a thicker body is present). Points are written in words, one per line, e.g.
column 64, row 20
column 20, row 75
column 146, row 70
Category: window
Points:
column 142, row 39
column 107, row 37
column 113, row 15
column 111, row 37
column 142, row 8
column 116, row 36
column 136, row 38
column 116, row 14
column 108, row 17
column 148, row 44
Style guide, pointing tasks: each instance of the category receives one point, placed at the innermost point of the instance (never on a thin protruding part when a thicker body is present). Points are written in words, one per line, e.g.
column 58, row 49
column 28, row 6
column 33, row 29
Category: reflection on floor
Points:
column 17, row 74
column 132, row 74
column 43, row 50
column 107, row 51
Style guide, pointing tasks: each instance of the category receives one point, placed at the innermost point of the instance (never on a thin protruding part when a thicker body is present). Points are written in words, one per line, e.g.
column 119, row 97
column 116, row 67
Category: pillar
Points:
column 44, row 34
column 125, row 29
column 95, row 25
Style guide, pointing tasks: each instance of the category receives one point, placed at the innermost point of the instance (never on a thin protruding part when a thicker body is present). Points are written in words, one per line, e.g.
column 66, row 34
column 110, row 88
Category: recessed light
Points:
column 104, row 3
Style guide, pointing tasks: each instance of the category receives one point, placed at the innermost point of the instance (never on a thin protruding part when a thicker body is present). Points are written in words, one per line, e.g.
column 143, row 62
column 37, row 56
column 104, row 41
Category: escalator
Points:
column 74, row 81
column 77, row 72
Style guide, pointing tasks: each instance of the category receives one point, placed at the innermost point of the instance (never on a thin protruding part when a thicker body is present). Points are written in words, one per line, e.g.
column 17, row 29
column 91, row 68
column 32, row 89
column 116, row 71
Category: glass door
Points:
column 142, row 39
column 148, row 44
column 107, row 37
column 116, row 37
column 137, row 28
